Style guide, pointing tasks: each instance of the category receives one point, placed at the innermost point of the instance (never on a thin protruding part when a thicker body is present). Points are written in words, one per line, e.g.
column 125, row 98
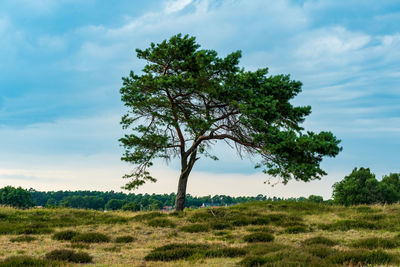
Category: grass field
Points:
column 251, row 234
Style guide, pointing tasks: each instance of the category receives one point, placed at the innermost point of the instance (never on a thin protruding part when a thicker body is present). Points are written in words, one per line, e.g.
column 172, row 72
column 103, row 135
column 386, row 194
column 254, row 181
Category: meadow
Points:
column 263, row 233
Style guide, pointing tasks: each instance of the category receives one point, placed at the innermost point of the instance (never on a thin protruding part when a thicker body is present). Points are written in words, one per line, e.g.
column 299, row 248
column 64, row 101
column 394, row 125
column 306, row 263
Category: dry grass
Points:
column 147, row 238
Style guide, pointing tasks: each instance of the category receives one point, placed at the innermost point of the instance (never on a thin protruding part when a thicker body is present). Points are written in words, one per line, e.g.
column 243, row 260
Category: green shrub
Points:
column 319, row 250
column 65, row 235
column 375, row 242
column 21, row 261
column 69, row 255
column 296, row 229
column 174, row 252
column 23, row 238
column 130, row 206
column 124, row 239
column 345, row 225
column 161, row 222
column 319, row 240
column 259, row 237
column 253, row 261
column 354, row 257
column 220, row 225
column 148, row 216
column 91, row 238
column 195, row 228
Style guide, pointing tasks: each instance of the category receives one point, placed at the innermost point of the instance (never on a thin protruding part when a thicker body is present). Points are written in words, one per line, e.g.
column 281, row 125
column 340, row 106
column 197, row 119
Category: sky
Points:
column 61, row 64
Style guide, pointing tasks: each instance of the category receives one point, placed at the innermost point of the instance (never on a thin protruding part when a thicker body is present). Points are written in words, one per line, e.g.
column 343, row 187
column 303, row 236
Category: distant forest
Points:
column 117, row 200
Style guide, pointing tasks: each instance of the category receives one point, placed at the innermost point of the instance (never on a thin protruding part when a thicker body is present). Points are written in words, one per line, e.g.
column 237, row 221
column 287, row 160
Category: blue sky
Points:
column 61, row 64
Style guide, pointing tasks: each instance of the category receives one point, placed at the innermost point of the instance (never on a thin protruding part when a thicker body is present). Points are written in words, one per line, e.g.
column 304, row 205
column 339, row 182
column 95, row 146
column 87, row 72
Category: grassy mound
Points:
column 259, row 237
column 185, row 251
column 69, row 255
column 195, row 228
column 23, row 238
column 21, row 261
column 124, row 239
column 65, row 235
column 320, row 240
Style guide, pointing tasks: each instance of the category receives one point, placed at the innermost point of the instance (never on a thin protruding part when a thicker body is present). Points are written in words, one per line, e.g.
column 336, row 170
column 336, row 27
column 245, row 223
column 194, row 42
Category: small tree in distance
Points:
column 188, row 98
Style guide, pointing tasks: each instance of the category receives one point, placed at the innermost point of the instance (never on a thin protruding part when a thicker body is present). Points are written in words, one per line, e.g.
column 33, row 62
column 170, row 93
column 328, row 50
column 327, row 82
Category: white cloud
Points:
column 176, row 5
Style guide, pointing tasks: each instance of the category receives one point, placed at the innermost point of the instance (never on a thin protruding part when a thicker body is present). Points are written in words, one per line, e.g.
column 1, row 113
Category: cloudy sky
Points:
column 61, row 64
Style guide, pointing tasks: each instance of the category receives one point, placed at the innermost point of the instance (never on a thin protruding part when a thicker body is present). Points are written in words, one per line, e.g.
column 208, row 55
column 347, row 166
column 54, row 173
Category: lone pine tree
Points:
column 187, row 98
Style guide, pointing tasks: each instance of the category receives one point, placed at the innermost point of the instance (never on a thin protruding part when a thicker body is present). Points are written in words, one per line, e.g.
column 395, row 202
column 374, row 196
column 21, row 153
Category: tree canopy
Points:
column 15, row 197
column 187, row 98
column 362, row 187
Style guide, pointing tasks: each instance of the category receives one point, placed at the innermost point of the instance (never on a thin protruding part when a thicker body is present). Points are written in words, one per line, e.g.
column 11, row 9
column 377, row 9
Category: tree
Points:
column 15, row 197
column 115, row 204
column 188, row 98
column 359, row 187
column 316, row 199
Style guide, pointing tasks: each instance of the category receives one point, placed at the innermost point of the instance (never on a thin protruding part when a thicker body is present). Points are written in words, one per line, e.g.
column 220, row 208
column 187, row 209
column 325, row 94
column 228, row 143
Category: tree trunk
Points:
column 182, row 183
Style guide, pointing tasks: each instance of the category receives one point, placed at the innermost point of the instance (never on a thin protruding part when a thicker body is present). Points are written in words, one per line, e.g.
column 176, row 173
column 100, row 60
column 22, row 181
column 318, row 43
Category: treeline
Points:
column 98, row 200
column 362, row 187
column 117, row 200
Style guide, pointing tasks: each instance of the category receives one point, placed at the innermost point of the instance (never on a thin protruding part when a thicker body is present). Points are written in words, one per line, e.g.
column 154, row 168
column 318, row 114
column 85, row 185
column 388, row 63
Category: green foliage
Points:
column 296, row 229
column 361, row 187
column 259, row 237
column 319, row 240
column 186, row 98
column 161, row 222
column 345, row 225
column 69, row 255
column 43, row 221
column 361, row 257
column 23, row 238
column 65, row 235
column 83, row 202
column 115, row 204
column 91, row 238
column 195, row 228
column 131, row 206
column 148, row 216
column 320, row 251
column 124, row 239
column 316, row 199
column 376, row 242
column 21, row 261
column 173, row 252
column 15, row 197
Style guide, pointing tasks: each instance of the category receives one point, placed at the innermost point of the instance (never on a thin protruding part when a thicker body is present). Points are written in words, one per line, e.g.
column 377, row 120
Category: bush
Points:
column 321, row 251
column 23, row 238
column 124, row 239
column 375, row 242
column 195, row 228
column 361, row 257
column 253, row 261
column 91, row 238
column 320, row 240
column 161, row 222
column 259, row 237
column 296, row 229
column 65, row 235
column 131, row 206
column 69, row 255
column 174, row 252
column 20, row 261
column 345, row 225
